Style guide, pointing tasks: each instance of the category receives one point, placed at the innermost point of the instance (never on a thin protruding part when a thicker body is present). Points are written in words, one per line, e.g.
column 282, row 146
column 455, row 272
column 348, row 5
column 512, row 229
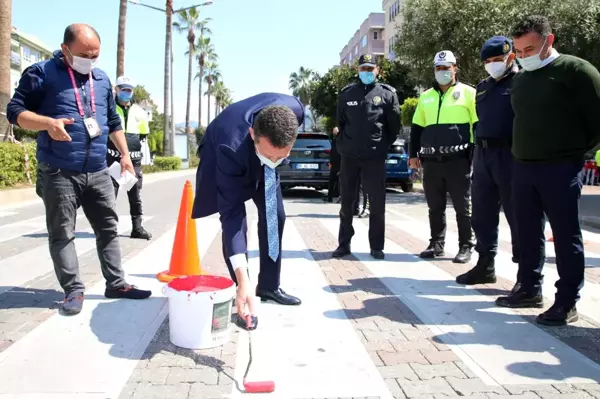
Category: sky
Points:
column 259, row 42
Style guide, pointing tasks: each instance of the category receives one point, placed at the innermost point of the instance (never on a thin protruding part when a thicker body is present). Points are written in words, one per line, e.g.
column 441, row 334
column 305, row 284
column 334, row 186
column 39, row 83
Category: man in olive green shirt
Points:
column 556, row 102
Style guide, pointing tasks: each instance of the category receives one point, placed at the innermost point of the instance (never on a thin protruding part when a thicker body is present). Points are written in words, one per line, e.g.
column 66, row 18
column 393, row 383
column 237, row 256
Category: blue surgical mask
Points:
column 443, row 77
column 366, row 77
column 533, row 62
column 125, row 96
column 267, row 162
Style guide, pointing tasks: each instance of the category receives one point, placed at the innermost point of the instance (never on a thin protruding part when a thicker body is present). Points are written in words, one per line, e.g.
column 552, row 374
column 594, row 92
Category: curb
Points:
column 20, row 197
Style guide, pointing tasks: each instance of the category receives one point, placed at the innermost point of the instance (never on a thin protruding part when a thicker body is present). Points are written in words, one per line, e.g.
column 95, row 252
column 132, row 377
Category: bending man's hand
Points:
column 244, row 301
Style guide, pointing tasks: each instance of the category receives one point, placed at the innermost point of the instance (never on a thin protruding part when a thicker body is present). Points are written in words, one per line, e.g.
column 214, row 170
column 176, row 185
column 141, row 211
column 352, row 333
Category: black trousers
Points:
column 269, row 274
column 492, row 188
column 333, row 189
column 135, row 197
column 452, row 176
column 553, row 189
column 372, row 173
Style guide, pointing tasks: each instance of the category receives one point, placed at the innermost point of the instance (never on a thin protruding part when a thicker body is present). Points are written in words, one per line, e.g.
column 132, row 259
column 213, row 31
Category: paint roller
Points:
column 253, row 386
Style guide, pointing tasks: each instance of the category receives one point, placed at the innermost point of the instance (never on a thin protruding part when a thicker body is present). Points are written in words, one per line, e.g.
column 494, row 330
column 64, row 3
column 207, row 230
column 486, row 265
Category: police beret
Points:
column 367, row 60
column 496, row 46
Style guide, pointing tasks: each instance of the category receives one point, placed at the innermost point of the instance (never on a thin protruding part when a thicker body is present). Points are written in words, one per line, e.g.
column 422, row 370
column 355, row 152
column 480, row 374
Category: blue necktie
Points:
column 271, row 210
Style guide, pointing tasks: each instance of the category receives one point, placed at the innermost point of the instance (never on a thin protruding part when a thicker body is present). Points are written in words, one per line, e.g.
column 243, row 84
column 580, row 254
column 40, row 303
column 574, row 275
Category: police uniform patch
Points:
column 442, row 55
column 367, row 57
column 376, row 100
column 506, row 47
column 456, row 95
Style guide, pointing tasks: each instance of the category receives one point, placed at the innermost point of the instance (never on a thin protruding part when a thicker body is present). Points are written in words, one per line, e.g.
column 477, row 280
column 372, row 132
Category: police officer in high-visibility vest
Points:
column 135, row 123
column 441, row 141
column 493, row 160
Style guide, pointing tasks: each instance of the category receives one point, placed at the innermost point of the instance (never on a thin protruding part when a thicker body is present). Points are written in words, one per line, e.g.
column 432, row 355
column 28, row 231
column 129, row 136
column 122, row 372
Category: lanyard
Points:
column 78, row 96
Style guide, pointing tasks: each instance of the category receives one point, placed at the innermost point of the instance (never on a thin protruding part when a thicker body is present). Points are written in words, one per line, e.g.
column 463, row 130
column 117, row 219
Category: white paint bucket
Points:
column 200, row 311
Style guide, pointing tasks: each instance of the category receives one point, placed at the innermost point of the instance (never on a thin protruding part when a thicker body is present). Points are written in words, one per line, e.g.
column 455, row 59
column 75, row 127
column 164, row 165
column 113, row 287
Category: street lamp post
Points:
column 169, row 128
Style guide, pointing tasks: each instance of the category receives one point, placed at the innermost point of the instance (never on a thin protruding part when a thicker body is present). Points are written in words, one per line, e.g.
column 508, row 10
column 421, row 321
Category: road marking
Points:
column 590, row 293
column 311, row 350
column 21, row 228
column 99, row 348
column 500, row 342
column 21, row 268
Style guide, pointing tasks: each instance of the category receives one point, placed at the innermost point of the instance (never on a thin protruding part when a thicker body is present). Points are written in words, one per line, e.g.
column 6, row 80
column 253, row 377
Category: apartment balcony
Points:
column 377, row 46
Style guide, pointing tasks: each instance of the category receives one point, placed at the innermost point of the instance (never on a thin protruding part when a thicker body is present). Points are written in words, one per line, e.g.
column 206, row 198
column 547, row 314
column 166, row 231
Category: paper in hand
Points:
column 127, row 181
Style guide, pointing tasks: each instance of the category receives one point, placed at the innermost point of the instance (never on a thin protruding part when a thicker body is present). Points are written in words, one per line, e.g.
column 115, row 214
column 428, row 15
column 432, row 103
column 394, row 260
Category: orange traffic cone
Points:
column 185, row 260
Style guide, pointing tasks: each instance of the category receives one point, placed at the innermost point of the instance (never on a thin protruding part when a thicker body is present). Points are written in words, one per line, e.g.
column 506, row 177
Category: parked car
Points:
column 308, row 163
column 397, row 170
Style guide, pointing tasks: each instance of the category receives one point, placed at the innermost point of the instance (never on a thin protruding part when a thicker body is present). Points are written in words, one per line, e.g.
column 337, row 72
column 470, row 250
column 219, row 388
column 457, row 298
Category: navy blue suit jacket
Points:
column 229, row 171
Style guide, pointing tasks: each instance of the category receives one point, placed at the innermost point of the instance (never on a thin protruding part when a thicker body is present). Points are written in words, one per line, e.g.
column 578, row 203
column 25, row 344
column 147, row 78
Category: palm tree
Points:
column 205, row 52
column 121, row 38
column 220, row 93
column 5, row 30
column 189, row 22
column 212, row 75
column 300, row 84
column 167, row 129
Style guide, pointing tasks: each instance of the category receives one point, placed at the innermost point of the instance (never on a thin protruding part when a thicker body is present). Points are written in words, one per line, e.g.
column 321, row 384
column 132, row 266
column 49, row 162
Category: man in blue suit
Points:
column 239, row 155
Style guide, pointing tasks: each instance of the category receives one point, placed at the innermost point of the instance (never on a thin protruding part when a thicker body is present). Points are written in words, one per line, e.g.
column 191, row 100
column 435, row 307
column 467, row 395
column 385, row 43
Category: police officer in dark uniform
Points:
column 368, row 115
column 493, row 160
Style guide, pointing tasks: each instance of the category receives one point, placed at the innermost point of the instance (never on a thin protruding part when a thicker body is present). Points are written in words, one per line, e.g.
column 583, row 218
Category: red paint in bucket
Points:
column 201, row 283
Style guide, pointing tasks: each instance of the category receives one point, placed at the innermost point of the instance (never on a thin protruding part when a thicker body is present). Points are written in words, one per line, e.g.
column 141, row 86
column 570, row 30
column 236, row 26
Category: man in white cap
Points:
column 441, row 140
column 135, row 125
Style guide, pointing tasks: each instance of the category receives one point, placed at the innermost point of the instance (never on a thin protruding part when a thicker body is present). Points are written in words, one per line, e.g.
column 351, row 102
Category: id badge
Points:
column 92, row 127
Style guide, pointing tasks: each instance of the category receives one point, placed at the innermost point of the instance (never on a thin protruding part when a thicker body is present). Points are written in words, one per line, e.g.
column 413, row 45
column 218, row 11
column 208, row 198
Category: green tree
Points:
column 462, row 26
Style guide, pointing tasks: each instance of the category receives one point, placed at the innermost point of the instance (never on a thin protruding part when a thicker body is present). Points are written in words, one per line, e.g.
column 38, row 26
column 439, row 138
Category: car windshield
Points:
column 312, row 140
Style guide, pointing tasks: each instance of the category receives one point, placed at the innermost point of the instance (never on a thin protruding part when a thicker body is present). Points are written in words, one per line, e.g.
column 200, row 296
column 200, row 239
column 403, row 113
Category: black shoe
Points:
column 558, row 315
column 520, row 299
column 516, row 287
column 278, row 296
column 482, row 273
column 434, row 250
column 140, row 232
column 73, row 303
column 340, row 252
column 463, row 255
column 377, row 254
column 127, row 292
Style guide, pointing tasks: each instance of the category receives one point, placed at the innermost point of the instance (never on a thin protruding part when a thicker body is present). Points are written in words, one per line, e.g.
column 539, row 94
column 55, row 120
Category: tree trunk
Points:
column 208, row 106
column 188, row 128
column 5, row 88
column 216, row 108
column 200, row 95
column 121, row 39
column 166, row 133
column 172, row 104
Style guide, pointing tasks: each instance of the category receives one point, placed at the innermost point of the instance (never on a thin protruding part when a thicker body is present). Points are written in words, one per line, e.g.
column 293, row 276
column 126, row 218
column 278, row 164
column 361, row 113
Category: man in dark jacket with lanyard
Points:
column 493, row 161
column 368, row 117
column 441, row 137
column 71, row 105
column 135, row 124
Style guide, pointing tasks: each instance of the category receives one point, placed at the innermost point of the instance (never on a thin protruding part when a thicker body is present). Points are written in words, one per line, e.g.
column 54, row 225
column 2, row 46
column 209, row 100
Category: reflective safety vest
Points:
column 137, row 120
column 447, row 119
column 598, row 157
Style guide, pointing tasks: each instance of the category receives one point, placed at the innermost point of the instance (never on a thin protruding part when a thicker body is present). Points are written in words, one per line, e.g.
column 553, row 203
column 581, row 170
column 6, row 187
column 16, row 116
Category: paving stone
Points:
column 394, row 388
column 465, row 369
column 385, row 346
column 152, row 375
column 438, row 357
column 519, row 389
column 565, row 388
column 573, row 395
column 418, row 344
column 387, row 336
column 203, row 391
column 427, row 372
column 470, row 386
column 206, row 375
column 152, row 391
column 394, row 358
column 128, row 391
column 400, row 371
column 414, row 389
column 415, row 333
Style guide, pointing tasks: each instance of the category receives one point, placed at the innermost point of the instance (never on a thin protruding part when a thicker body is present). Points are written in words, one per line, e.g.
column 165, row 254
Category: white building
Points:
column 392, row 9
column 25, row 49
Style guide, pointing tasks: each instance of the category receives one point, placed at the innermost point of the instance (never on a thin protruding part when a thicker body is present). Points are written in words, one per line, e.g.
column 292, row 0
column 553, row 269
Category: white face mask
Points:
column 267, row 162
column 533, row 62
column 496, row 69
column 82, row 65
column 443, row 77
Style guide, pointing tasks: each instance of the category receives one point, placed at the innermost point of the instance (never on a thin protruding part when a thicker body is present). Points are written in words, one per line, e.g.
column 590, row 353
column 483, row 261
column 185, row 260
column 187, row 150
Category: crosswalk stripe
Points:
column 590, row 294
column 505, row 348
column 99, row 348
column 21, row 268
column 311, row 350
column 21, row 228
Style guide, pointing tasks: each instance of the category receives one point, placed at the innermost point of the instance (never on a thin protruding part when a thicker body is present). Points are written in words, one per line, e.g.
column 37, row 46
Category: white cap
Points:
column 445, row 58
column 124, row 81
